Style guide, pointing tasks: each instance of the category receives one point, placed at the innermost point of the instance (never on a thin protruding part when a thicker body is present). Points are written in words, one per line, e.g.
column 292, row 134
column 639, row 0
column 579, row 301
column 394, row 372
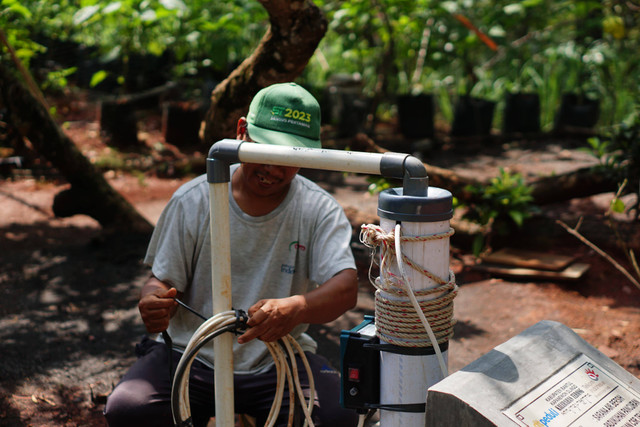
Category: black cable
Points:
column 167, row 338
column 190, row 309
column 169, row 343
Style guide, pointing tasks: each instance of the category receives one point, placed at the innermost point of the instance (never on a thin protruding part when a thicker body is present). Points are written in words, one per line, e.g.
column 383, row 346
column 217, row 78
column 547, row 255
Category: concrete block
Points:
column 545, row 376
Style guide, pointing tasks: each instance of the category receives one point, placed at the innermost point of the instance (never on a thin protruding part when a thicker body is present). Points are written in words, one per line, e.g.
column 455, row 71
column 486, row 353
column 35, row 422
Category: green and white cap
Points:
column 285, row 114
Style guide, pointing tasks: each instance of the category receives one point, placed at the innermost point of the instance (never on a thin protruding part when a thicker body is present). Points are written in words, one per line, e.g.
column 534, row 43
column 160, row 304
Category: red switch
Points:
column 354, row 374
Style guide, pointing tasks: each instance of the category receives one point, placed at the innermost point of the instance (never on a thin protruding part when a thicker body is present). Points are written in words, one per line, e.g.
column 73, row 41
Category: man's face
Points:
column 267, row 180
column 264, row 180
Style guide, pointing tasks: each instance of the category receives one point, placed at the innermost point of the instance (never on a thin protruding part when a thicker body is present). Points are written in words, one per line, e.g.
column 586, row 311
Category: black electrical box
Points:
column 360, row 367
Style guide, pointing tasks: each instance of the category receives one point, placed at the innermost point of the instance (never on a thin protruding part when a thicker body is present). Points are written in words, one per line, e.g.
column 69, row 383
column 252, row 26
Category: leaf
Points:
column 98, row 77
column 449, row 6
column 614, row 25
column 173, row 4
column 478, row 245
column 25, row 53
column 517, row 217
column 20, row 9
column 617, row 205
column 148, row 15
column 497, row 31
column 112, row 7
column 85, row 14
column 513, row 9
column 155, row 48
column 112, row 54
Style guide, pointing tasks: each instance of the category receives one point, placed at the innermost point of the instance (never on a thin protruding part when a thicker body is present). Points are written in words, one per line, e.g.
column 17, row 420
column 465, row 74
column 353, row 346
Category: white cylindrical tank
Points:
column 405, row 377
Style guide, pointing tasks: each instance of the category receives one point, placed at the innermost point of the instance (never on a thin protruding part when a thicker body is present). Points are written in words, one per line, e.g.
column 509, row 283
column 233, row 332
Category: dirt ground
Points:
column 68, row 315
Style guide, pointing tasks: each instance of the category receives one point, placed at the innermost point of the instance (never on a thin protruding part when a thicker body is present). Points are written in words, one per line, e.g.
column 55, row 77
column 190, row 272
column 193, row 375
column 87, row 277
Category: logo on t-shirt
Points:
column 289, row 269
column 297, row 246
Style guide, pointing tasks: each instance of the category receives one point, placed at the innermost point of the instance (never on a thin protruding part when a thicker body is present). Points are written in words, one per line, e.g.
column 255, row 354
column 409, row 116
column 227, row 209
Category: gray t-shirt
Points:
column 301, row 244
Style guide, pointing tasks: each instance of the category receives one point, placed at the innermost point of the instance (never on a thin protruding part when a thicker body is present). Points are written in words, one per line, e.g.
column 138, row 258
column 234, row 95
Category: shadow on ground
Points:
column 67, row 314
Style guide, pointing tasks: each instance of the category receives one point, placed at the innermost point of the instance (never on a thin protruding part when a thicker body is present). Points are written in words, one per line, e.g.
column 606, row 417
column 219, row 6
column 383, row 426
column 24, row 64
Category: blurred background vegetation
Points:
column 385, row 48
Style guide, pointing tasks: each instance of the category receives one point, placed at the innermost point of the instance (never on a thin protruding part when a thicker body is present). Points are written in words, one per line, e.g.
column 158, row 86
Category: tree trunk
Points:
column 582, row 182
column 90, row 193
column 297, row 26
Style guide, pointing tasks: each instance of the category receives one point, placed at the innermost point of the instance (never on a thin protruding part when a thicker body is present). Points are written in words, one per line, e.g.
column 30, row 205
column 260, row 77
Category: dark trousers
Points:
column 143, row 396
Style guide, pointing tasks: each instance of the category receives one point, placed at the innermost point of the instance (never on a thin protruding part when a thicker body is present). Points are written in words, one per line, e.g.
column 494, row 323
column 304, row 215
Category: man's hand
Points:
column 272, row 319
column 157, row 305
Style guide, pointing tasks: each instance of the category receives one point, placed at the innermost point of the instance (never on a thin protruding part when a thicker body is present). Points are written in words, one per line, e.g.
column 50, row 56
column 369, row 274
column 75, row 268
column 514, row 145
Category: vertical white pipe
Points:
column 404, row 379
column 221, row 295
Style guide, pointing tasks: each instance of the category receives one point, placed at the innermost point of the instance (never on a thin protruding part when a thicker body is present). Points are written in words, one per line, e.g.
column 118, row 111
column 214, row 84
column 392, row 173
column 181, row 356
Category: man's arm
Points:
column 157, row 304
column 271, row 319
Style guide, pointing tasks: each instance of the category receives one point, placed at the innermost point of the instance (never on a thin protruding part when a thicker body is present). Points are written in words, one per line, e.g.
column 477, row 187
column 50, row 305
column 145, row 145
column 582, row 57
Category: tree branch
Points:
column 297, row 26
column 602, row 253
column 556, row 188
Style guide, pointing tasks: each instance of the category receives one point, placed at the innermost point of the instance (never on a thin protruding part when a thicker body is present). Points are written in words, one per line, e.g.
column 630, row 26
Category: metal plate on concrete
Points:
column 583, row 394
column 510, row 385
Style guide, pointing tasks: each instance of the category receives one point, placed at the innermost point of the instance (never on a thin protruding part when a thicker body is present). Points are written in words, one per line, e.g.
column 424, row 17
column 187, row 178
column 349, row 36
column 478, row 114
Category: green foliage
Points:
column 201, row 34
column 548, row 47
column 112, row 160
column 544, row 46
column 378, row 184
column 57, row 79
column 223, row 32
column 360, row 31
column 618, row 152
column 626, row 141
column 98, row 77
column 617, row 205
column 602, row 150
column 506, row 197
column 499, row 206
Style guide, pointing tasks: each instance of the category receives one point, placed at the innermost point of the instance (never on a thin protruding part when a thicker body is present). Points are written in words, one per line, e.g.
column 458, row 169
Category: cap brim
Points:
column 267, row 136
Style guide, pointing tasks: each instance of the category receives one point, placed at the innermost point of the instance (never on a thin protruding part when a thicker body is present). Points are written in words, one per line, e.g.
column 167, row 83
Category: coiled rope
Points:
column 403, row 320
column 228, row 322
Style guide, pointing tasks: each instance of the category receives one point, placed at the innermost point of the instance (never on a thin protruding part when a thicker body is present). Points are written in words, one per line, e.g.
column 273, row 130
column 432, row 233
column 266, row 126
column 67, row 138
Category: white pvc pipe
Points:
column 337, row 160
column 314, row 158
column 404, row 379
column 221, row 299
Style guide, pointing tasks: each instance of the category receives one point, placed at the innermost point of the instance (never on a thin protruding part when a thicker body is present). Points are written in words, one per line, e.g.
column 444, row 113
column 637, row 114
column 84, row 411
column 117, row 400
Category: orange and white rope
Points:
column 403, row 320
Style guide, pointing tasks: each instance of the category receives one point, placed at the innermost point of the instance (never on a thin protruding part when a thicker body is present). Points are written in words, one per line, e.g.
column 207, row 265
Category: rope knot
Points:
column 372, row 236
